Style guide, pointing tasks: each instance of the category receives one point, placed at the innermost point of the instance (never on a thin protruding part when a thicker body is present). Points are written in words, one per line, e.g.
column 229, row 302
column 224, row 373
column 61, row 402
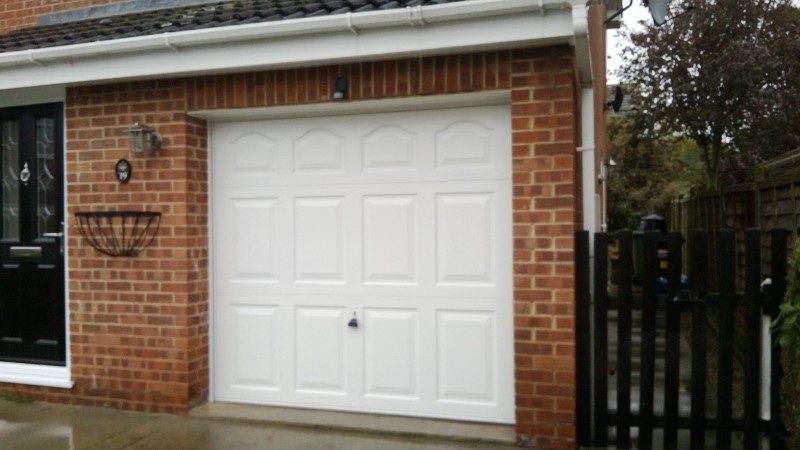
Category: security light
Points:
column 340, row 88
column 658, row 9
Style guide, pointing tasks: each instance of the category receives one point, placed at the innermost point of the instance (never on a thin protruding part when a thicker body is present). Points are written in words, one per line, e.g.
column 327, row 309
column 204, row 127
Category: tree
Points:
column 652, row 169
column 726, row 75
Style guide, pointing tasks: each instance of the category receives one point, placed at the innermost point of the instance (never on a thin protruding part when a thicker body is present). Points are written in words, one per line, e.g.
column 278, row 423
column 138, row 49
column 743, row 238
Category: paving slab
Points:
column 55, row 427
column 366, row 423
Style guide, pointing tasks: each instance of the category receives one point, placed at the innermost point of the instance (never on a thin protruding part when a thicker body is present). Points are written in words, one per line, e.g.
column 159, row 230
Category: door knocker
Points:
column 25, row 175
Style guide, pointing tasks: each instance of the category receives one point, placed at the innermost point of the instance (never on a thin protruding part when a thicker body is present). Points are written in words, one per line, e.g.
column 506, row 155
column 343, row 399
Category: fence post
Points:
column 700, row 283
column 583, row 340
column 727, row 308
column 673, row 345
column 624, row 320
column 649, row 300
column 778, row 262
column 752, row 373
column 600, row 339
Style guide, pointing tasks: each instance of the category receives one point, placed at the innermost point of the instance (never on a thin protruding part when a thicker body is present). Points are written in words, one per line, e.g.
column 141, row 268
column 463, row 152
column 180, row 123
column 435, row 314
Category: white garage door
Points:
column 401, row 221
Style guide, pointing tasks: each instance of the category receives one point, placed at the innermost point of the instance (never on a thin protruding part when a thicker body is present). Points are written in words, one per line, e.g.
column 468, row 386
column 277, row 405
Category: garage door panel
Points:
column 392, row 356
column 400, row 220
column 389, row 148
column 250, row 156
column 248, row 347
column 464, row 144
column 319, row 240
column 378, row 148
column 318, row 151
column 390, row 238
column 465, row 237
column 320, row 350
column 466, row 342
column 250, row 256
column 256, row 326
column 386, row 242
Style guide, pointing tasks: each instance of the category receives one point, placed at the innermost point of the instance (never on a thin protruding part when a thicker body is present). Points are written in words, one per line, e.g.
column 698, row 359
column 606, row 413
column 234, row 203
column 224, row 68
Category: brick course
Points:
column 139, row 327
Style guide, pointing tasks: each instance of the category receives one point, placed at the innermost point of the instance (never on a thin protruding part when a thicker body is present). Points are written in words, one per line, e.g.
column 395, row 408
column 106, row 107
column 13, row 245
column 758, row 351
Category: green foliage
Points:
column 652, row 169
column 787, row 330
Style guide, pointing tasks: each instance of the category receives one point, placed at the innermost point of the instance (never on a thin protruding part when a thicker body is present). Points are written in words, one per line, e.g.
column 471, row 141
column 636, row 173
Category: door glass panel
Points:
column 46, row 176
column 9, row 147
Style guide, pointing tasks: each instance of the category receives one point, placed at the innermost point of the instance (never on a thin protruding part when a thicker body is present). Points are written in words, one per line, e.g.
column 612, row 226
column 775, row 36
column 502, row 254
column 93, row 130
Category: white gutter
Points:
column 359, row 22
column 580, row 30
column 472, row 25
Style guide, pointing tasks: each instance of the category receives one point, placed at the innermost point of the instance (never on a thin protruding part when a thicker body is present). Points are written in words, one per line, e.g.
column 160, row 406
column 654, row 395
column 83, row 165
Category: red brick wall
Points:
column 546, row 214
column 139, row 326
column 16, row 14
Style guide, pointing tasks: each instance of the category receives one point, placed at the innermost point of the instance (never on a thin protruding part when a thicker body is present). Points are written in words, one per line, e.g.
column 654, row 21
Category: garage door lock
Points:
column 353, row 322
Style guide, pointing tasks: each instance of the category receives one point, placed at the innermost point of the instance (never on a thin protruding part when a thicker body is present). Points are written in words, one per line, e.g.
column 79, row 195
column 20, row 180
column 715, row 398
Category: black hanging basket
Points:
column 119, row 233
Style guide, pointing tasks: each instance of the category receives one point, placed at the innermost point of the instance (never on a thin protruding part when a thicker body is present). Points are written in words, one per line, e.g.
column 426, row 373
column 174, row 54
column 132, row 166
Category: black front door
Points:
column 31, row 235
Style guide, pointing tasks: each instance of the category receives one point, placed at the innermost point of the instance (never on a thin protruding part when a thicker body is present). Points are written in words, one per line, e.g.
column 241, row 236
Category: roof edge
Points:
column 483, row 25
column 352, row 22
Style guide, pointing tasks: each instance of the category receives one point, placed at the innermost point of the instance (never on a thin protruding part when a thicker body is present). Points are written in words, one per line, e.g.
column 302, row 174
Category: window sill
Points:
column 36, row 375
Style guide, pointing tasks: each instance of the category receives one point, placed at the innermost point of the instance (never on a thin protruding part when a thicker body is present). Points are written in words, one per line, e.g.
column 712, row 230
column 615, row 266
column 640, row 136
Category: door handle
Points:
column 60, row 236
column 25, row 175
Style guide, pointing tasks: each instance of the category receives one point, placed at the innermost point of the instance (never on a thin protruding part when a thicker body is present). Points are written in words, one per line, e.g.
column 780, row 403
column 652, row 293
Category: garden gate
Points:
column 658, row 395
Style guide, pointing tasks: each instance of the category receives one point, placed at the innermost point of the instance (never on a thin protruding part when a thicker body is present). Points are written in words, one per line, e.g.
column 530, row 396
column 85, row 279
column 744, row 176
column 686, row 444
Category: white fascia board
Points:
column 476, row 25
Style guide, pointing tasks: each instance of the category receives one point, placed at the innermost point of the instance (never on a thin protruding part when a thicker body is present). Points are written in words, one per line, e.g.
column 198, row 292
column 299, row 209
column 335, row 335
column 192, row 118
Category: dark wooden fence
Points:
column 660, row 292
column 770, row 201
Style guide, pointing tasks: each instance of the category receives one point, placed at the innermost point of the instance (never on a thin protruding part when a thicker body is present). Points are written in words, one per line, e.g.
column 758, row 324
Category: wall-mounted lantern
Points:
column 340, row 88
column 144, row 140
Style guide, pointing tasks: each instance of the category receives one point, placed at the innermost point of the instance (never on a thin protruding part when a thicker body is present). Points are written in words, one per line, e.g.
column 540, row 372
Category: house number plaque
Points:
column 123, row 171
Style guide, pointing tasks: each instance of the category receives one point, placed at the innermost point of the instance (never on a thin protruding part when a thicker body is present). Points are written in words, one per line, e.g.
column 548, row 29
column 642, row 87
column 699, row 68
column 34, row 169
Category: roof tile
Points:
column 223, row 13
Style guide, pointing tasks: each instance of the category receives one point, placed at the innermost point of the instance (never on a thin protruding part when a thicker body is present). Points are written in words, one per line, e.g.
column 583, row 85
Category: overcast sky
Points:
column 630, row 19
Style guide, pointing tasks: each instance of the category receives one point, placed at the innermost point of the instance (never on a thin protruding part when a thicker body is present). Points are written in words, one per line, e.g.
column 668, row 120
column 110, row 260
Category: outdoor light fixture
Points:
column 340, row 88
column 619, row 97
column 658, row 9
column 144, row 140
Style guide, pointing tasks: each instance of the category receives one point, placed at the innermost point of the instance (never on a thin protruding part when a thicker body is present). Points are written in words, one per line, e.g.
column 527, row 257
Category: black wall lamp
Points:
column 340, row 88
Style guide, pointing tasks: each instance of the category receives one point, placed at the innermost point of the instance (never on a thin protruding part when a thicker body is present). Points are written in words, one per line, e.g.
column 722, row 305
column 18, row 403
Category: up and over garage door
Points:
column 364, row 263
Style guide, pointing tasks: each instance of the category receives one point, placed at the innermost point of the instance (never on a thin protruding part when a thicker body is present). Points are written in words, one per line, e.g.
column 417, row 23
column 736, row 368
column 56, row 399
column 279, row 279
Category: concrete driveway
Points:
column 55, row 427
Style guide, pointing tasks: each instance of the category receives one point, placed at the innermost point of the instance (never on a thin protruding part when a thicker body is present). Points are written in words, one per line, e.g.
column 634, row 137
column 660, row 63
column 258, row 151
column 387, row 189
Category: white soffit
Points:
column 475, row 25
column 465, row 100
column 32, row 96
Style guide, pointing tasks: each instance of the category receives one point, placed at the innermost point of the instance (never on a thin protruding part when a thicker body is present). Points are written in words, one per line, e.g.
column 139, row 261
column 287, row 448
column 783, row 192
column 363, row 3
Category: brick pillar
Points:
column 138, row 326
column 545, row 217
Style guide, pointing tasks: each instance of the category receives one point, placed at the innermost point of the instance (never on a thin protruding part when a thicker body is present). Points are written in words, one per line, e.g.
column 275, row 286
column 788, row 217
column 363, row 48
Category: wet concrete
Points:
column 57, row 427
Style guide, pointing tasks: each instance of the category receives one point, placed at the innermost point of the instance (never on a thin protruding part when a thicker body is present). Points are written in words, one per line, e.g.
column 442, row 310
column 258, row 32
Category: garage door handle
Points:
column 353, row 322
